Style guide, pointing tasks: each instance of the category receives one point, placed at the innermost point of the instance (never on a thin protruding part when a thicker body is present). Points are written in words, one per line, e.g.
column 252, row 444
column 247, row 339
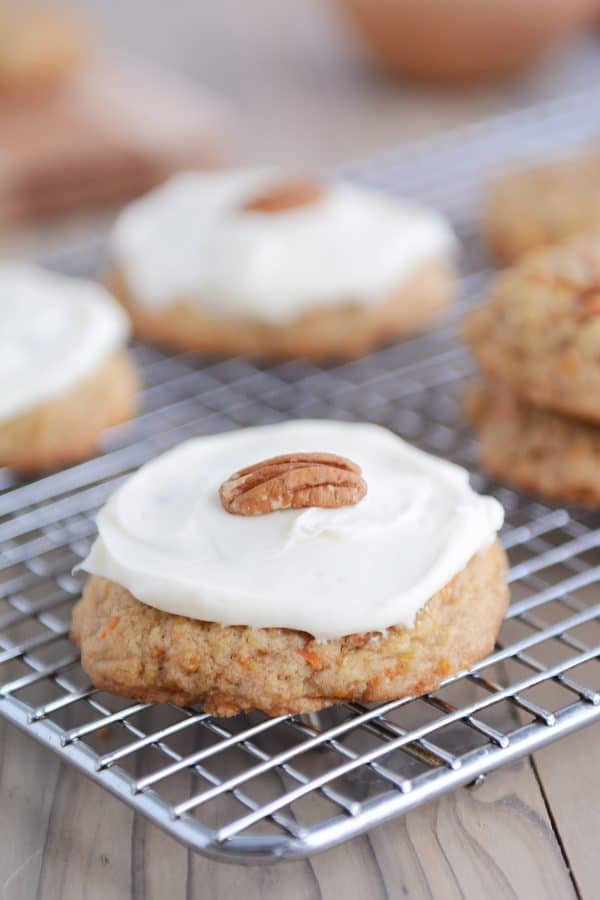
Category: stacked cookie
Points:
column 537, row 343
column 542, row 205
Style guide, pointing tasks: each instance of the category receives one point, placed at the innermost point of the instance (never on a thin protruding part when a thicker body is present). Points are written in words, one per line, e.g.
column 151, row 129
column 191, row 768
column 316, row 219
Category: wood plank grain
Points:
column 569, row 773
column 493, row 842
column 159, row 865
column 88, row 844
column 28, row 777
column 496, row 842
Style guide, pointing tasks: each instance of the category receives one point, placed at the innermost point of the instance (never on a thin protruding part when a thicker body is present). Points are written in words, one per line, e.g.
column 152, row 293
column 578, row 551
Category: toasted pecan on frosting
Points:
column 293, row 481
column 286, row 195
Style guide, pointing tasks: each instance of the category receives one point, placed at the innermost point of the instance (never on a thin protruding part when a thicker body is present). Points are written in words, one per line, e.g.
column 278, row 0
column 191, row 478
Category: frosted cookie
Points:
column 543, row 205
column 38, row 47
column 539, row 331
column 290, row 567
column 65, row 375
column 256, row 262
column 543, row 452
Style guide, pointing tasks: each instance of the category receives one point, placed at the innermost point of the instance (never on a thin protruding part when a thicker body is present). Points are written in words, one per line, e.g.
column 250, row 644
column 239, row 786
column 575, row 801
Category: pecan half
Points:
column 286, row 195
column 293, row 481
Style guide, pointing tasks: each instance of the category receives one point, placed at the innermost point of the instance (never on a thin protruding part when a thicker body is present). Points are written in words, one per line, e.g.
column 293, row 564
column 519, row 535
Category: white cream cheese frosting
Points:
column 54, row 331
column 191, row 241
column 165, row 536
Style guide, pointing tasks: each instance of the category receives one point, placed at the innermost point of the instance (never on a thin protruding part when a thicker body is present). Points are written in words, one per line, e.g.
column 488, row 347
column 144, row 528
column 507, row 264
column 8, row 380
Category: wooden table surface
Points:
column 303, row 95
column 530, row 831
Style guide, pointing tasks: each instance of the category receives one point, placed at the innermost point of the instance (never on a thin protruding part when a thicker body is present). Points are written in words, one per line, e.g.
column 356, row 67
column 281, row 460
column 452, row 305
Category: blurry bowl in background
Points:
column 463, row 40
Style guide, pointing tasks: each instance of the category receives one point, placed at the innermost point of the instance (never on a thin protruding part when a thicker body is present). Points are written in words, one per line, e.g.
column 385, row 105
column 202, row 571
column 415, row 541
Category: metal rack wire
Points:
column 253, row 789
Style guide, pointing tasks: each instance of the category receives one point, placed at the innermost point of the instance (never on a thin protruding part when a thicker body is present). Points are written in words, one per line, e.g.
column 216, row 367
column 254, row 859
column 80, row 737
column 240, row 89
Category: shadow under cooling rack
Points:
column 254, row 789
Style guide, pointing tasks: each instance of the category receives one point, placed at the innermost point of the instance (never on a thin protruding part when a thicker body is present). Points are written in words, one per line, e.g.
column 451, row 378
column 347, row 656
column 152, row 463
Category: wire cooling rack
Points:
column 254, row 789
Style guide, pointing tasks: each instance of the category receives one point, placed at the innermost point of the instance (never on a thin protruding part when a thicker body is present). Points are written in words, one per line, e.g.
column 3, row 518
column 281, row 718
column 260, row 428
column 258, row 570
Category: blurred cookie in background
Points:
column 39, row 47
column 536, row 340
column 464, row 40
column 65, row 374
column 112, row 132
column 543, row 204
column 276, row 266
column 535, row 449
column 82, row 128
column 538, row 333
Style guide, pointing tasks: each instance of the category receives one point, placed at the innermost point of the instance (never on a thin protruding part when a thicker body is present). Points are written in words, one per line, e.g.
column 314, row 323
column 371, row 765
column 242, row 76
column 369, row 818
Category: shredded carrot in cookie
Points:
column 112, row 624
column 444, row 668
column 314, row 661
column 191, row 663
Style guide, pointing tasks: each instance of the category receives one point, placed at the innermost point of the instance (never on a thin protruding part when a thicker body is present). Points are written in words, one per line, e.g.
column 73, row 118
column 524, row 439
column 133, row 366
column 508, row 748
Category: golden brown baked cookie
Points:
column 332, row 332
column 132, row 649
column 543, row 452
column 539, row 331
column 67, row 428
column 38, row 47
column 544, row 205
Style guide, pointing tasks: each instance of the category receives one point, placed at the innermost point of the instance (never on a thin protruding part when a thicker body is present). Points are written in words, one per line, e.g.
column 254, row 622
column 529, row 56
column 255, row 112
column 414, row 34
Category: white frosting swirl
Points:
column 190, row 241
column 166, row 537
column 55, row 331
